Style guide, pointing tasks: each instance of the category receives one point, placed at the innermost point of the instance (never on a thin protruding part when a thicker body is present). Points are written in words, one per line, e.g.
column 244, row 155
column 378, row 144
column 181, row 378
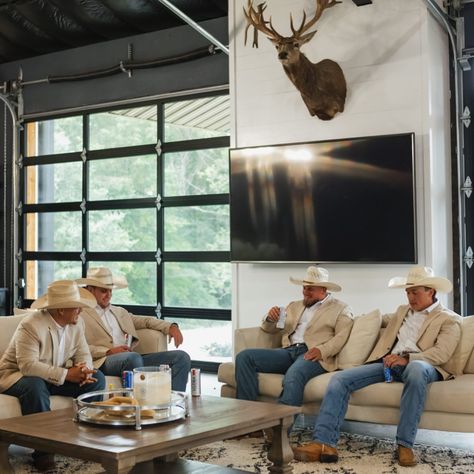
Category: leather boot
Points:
column 329, row 454
column 313, row 452
column 308, row 453
column 406, row 456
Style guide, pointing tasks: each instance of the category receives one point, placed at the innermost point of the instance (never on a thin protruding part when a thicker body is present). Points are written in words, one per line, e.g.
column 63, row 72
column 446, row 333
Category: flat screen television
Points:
column 349, row 200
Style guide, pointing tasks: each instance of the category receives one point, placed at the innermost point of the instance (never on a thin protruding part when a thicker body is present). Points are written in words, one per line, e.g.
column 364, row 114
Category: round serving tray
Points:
column 128, row 415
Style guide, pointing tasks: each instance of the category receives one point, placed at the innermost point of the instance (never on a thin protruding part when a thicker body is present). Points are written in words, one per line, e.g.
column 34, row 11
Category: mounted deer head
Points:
column 322, row 85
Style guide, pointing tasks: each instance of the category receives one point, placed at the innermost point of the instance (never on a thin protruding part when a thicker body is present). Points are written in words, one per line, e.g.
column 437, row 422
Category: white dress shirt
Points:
column 112, row 325
column 64, row 339
column 308, row 313
column 409, row 332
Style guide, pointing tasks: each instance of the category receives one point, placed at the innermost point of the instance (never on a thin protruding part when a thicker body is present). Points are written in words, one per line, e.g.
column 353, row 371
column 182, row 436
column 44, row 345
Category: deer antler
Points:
column 255, row 18
column 321, row 5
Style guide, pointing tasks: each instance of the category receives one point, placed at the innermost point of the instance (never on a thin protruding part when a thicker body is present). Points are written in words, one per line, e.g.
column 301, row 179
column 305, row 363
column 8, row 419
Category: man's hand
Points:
column 392, row 360
column 118, row 349
column 273, row 314
column 313, row 354
column 80, row 374
column 175, row 333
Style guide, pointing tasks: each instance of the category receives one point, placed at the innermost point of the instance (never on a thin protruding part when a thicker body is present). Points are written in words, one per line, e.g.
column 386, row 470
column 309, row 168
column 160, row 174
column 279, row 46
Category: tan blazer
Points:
column 328, row 329
column 33, row 347
column 437, row 341
column 100, row 339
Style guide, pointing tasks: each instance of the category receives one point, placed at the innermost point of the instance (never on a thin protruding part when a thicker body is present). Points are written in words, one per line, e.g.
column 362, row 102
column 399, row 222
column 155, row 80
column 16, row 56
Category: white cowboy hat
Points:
column 65, row 294
column 422, row 276
column 103, row 278
column 316, row 276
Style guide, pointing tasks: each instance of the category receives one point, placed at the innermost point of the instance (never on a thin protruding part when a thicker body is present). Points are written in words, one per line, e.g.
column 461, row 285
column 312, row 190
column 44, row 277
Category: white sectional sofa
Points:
column 450, row 404
column 150, row 341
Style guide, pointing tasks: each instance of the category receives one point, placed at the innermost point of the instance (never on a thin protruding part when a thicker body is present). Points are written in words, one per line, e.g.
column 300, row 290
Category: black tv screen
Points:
column 349, row 200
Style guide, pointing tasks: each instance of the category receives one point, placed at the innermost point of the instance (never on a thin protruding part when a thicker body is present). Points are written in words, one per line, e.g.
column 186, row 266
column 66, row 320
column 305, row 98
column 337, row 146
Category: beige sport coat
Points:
column 439, row 335
column 100, row 339
column 328, row 329
column 33, row 347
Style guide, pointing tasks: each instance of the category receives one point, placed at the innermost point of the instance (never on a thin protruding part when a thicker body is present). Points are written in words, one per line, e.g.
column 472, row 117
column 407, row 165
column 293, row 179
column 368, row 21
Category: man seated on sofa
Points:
column 315, row 330
column 111, row 332
column 417, row 340
column 49, row 355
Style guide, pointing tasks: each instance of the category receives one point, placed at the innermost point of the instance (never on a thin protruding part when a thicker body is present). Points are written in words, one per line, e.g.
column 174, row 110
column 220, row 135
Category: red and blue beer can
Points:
column 127, row 379
column 387, row 374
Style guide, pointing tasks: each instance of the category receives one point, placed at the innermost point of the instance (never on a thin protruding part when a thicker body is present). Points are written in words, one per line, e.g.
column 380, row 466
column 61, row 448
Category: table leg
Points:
column 121, row 467
column 280, row 453
column 5, row 466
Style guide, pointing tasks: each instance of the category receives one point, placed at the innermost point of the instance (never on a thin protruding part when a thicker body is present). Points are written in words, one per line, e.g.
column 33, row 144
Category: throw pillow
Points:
column 458, row 360
column 364, row 334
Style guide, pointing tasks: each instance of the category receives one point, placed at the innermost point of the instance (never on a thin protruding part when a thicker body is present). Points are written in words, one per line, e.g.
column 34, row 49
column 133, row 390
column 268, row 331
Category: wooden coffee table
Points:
column 125, row 450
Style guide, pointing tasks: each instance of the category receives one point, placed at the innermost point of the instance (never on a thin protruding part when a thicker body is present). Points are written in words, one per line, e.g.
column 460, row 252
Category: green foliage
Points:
column 203, row 228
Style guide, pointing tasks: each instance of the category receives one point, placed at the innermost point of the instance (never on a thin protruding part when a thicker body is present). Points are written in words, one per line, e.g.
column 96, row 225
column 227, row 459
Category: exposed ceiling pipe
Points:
column 442, row 18
column 194, row 25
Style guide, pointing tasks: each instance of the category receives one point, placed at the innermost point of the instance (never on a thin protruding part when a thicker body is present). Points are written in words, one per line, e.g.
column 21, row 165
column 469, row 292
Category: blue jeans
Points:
column 179, row 362
column 416, row 376
column 33, row 392
column 288, row 361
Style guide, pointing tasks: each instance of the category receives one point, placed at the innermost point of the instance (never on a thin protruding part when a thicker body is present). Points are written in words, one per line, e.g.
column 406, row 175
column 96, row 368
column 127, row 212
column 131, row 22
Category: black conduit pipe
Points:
column 130, row 66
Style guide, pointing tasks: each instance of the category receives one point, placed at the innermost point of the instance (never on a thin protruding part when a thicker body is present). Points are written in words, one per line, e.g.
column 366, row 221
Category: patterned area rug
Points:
column 358, row 455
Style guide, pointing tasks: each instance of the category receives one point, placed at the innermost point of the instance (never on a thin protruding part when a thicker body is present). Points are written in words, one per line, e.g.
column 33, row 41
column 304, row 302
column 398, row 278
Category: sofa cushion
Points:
column 226, row 373
column 449, row 396
column 457, row 362
column 364, row 334
column 9, row 325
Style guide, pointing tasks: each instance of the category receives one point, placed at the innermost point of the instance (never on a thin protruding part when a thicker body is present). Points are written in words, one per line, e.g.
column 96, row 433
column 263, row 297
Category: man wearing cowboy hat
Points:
column 49, row 355
column 111, row 332
column 418, row 339
column 315, row 330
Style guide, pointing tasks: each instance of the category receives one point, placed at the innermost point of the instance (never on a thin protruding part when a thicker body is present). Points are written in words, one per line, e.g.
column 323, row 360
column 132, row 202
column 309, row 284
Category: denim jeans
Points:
column 288, row 361
column 416, row 378
column 33, row 392
column 179, row 362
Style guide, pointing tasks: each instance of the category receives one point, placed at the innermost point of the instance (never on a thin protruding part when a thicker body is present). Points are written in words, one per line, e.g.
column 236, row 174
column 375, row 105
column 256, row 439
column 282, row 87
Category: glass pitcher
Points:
column 152, row 385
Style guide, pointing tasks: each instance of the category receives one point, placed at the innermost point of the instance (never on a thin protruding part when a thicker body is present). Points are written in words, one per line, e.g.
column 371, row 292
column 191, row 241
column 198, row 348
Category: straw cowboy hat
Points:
column 65, row 294
column 422, row 276
column 316, row 276
column 103, row 278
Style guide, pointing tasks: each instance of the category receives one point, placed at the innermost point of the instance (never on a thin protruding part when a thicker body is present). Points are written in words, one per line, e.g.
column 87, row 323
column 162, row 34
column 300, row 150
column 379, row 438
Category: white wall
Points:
column 395, row 59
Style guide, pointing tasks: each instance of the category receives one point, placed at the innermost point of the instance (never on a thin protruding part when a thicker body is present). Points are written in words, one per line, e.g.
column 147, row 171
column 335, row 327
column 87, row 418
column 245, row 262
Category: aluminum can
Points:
column 196, row 382
column 281, row 319
column 387, row 373
column 127, row 379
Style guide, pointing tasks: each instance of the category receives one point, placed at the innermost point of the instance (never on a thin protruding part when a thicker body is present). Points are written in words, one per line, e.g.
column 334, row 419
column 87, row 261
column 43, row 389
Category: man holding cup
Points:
column 313, row 332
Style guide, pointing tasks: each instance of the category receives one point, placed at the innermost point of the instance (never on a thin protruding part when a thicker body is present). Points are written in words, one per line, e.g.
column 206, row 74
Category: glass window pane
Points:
column 206, row 340
column 141, row 278
column 59, row 182
column 197, row 228
column 196, row 172
column 122, row 230
column 63, row 135
column 122, row 178
column 204, row 117
column 120, row 128
column 54, row 231
column 39, row 274
column 197, row 285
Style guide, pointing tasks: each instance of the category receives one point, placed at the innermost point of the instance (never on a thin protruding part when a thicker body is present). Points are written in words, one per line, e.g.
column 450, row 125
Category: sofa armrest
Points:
column 151, row 341
column 247, row 338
